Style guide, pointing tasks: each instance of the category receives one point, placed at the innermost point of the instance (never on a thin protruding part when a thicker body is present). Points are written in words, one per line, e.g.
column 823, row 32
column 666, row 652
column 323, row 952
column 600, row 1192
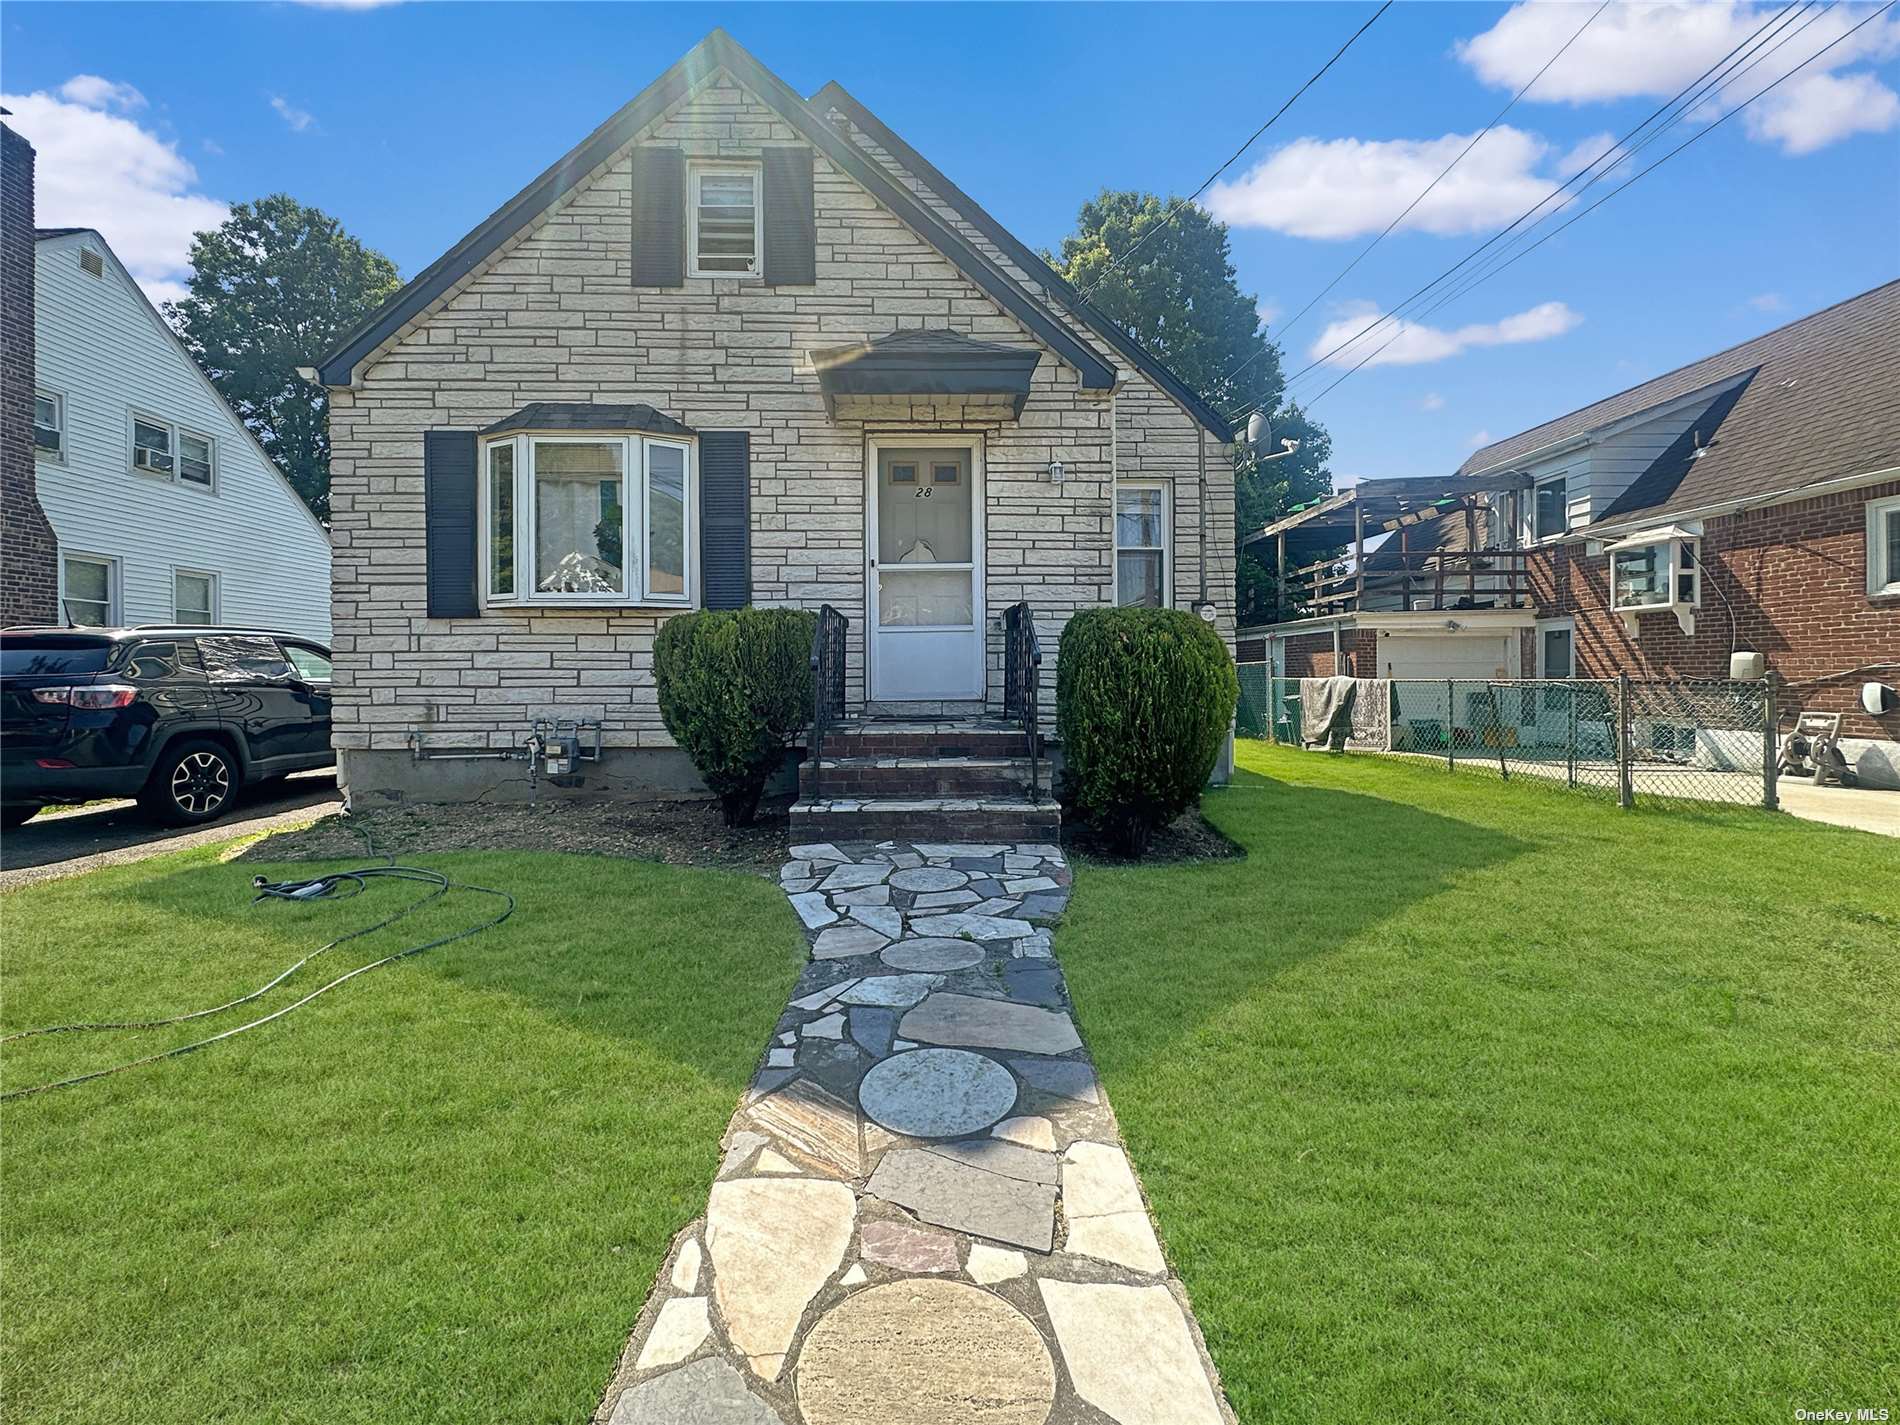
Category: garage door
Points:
column 1442, row 656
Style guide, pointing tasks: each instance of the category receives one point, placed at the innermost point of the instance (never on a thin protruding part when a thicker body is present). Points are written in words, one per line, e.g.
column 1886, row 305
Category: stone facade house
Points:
column 1748, row 502
column 736, row 346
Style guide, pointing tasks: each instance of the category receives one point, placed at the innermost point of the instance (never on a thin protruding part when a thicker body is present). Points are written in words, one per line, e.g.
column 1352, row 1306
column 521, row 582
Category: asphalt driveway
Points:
column 66, row 843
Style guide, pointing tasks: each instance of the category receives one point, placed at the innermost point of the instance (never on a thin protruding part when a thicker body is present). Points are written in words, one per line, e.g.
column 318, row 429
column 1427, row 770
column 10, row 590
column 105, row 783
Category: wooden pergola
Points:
column 1312, row 536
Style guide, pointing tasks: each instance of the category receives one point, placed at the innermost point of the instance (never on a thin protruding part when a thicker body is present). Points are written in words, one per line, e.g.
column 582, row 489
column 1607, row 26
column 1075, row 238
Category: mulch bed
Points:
column 678, row 833
column 1186, row 840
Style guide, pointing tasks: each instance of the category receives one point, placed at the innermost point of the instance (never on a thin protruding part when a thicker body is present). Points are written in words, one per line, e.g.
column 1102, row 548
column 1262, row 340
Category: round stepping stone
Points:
column 937, row 1093
column 927, row 1353
column 933, row 953
column 930, row 878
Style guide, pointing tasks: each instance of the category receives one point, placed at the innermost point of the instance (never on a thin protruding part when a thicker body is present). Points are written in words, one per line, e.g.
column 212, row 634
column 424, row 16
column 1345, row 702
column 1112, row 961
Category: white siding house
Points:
column 165, row 507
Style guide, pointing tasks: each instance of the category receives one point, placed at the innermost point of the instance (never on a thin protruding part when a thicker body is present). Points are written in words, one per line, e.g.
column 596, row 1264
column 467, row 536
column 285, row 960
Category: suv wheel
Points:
column 14, row 814
column 194, row 782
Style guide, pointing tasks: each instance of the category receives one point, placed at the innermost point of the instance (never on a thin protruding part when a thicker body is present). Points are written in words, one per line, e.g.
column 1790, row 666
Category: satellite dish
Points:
column 1256, row 428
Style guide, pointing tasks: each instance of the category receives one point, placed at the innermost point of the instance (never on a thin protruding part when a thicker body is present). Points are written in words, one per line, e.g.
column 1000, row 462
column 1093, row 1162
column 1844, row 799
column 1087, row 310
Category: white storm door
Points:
column 925, row 581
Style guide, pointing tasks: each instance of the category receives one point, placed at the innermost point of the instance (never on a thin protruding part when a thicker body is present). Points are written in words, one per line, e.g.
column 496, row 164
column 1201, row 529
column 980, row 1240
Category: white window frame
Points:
column 212, row 613
column 114, row 612
column 174, row 434
column 1531, row 536
column 1882, row 582
column 1167, row 538
column 53, row 457
column 1673, row 567
column 695, row 172
column 633, row 514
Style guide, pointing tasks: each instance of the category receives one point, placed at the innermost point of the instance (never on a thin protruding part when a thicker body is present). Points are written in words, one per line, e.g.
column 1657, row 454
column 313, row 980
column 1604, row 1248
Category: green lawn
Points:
column 438, row 1194
column 1459, row 1100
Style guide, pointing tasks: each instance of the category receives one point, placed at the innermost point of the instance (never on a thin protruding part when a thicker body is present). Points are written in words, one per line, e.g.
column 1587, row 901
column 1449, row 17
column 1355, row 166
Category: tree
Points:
column 1179, row 297
column 272, row 288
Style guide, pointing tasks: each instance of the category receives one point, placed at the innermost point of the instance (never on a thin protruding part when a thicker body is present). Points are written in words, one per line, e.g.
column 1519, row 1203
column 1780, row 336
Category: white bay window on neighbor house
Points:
column 588, row 519
column 1141, row 544
column 1657, row 571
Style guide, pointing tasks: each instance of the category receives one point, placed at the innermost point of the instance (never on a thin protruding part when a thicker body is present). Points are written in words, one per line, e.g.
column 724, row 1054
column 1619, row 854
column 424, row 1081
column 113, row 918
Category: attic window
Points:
column 725, row 213
column 91, row 263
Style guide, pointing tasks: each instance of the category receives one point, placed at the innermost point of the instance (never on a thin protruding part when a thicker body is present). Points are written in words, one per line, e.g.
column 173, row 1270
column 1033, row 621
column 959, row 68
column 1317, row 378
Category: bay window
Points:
column 1657, row 571
column 587, row 519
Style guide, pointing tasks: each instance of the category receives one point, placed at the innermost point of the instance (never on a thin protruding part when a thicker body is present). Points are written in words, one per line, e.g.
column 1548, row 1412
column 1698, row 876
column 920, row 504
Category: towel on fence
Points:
column 1326, row 711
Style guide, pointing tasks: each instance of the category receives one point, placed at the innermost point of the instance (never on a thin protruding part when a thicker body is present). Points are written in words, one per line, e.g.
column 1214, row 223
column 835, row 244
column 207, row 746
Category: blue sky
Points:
column 411, row 122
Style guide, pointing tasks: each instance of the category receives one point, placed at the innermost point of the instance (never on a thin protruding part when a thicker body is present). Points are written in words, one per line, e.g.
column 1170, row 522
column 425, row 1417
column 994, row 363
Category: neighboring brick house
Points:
column 29, row 557
column 1747, row 502
column 691, row 365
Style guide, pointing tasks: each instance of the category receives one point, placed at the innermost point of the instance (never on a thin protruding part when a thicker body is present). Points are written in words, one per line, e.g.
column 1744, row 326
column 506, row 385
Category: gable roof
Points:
column 54, row 234
column 1819, row 402
column 718, row 50
column 1840, row 366
column 835, row 96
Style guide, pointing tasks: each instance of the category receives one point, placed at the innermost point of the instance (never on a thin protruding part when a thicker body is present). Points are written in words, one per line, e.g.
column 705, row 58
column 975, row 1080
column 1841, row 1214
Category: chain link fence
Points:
column 1702, row 741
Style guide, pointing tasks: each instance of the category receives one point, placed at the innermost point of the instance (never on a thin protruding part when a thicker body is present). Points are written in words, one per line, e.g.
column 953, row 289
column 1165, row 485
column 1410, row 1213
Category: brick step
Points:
column 964, row 777
column 1011, row 819
column 925, row 739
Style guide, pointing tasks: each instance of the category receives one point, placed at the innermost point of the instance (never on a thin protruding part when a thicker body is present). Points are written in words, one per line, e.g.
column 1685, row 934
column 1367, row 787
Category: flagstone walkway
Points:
column 924, row 1215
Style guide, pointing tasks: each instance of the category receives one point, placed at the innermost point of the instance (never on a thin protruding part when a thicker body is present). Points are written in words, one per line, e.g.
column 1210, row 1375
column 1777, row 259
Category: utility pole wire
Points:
column 1528, row 213
column 1699, row 134
column 1426, row 191
column 1177, row 204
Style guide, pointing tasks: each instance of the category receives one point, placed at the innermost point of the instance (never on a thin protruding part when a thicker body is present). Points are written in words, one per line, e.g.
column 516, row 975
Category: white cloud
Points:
column 1267, row 312
column 1655, row 50
column 1342, row 188
column 1431, row 401
column 1406, row 343
column 1811, row 111
column 298, row 119
column 1769, row 302
column 102, row 170
column 91, row 92
column 1478, row 438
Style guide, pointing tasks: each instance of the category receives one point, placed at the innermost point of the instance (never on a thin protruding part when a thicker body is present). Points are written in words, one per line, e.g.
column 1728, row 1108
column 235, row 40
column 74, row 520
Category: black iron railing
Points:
column 1022, row 682
column 827, row 686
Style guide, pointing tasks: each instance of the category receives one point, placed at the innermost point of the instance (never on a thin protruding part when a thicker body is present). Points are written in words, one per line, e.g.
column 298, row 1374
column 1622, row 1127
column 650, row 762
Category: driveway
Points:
column 67, row 843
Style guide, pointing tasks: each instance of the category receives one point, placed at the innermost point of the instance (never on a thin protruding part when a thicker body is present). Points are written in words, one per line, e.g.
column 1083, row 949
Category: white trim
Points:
column 216, row 595
column 1793, row 495
column 1165, row 548
column 634, row 503
column 874, row 447
column 58, row 399
column 115, row 614
column 1615, row 425
column 699, row 169
column 1882, row 582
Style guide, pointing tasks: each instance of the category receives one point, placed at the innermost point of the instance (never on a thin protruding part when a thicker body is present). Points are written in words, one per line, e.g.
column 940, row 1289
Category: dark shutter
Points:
column 725, row 511
column 659, row 216
column 791, row 232
column 449, row 520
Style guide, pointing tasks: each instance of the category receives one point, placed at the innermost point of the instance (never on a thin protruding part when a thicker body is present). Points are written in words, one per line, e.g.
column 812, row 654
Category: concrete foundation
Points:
column 372, row 779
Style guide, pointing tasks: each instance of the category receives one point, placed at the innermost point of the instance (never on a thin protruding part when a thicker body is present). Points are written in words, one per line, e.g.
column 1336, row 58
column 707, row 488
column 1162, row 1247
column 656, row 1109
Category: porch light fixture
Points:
column 1056, row 472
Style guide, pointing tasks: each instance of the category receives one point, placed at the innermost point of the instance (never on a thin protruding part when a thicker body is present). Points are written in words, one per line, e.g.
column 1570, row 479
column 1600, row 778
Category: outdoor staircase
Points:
column 951, row 779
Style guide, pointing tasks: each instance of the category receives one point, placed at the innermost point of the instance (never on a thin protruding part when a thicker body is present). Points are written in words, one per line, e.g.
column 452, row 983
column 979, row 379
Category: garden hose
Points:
column 336, row 885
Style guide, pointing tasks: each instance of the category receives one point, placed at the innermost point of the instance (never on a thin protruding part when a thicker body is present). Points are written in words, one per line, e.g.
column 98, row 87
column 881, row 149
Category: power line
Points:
column 1531, row 211
column 1175, row 206
column 1426, row 191
column 1618, row 154
column 1699, row 134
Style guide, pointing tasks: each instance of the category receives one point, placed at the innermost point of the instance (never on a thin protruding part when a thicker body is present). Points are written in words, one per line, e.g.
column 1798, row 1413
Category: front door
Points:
column 926, row 574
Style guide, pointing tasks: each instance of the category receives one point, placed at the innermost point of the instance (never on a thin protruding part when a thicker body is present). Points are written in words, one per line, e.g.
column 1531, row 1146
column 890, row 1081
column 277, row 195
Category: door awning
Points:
column 927, row 362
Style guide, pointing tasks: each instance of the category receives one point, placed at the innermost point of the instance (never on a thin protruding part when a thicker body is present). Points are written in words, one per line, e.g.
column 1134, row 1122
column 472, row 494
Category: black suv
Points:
column 180, row 718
